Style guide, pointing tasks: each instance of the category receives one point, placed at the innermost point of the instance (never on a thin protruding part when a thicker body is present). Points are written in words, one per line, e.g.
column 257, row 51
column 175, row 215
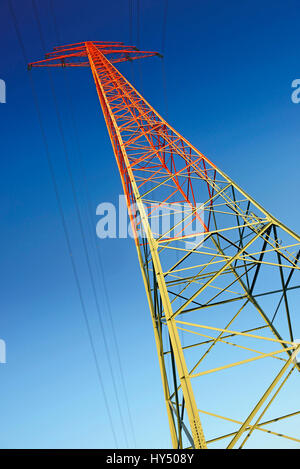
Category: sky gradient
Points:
column 229, row 68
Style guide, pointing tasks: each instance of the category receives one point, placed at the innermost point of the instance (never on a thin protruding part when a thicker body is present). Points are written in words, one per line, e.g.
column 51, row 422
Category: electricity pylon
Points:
column 222, row 296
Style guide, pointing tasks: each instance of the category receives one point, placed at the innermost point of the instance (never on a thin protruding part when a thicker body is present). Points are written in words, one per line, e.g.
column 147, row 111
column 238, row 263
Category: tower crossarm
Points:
column 75, row 55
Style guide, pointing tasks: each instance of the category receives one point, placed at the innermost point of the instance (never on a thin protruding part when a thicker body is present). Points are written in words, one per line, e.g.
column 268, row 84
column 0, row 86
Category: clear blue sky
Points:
column 229, row 68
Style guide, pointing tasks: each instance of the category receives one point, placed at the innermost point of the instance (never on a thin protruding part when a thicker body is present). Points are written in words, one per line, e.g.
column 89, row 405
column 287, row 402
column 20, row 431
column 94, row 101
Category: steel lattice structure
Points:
column 231, row 293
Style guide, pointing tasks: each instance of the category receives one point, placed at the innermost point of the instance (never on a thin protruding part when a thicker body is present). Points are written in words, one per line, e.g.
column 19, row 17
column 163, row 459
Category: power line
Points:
column 138, row 21
column 164, row 28
column 63, row 220
column 163, row 45
column 99, row 263
column 130, row 21
column 83, row 237
column 130, row 4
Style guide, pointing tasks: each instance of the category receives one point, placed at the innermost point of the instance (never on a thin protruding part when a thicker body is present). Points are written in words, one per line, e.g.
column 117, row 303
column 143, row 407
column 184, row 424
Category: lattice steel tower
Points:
column 223, row 299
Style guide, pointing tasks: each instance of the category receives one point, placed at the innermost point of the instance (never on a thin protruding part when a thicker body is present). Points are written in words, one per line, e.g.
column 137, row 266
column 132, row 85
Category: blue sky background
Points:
column 229, row 68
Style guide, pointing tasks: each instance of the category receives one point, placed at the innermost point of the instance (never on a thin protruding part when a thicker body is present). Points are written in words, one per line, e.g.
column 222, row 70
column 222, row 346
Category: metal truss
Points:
column 223, row 300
